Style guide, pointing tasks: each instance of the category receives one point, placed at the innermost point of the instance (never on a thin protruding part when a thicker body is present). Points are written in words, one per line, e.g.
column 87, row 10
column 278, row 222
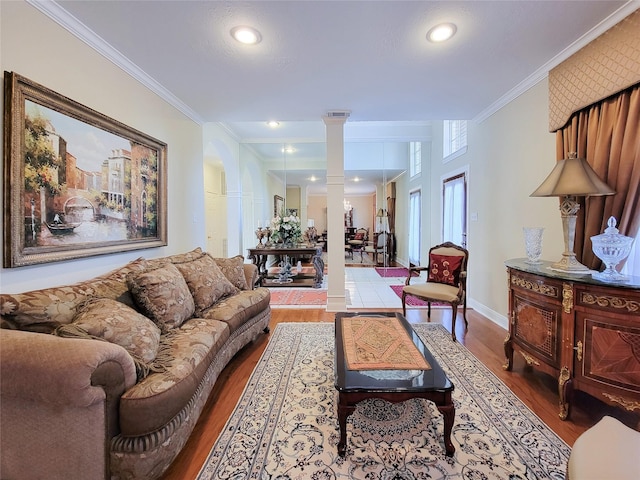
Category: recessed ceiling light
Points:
column 288, row 149
column 273, row 124
column 441, row 32
column 246, row 35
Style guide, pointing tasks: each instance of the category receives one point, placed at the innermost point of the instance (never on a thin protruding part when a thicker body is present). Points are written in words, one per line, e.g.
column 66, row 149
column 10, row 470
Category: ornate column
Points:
column 335, row 212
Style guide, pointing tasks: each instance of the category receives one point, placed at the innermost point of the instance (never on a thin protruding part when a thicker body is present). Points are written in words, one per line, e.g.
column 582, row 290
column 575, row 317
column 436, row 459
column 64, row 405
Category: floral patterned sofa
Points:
column 106, row 378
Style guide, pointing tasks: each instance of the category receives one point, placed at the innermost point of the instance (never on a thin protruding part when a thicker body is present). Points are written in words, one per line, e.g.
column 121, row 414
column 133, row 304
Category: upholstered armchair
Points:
column 360, row 238
column 446, row 281
column 379, row 247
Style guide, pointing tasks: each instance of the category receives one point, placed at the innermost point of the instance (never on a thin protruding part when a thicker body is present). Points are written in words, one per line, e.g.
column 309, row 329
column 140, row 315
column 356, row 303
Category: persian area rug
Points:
column 394, row 272
column 285, row 424
column 285, row 297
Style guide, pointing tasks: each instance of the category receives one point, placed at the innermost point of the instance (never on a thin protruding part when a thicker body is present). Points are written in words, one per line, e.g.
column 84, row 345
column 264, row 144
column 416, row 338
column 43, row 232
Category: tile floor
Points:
column 366, row 289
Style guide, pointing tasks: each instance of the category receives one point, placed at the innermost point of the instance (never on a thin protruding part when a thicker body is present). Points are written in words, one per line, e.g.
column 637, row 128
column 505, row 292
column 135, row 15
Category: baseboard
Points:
column 492, row 315
column 336, row 303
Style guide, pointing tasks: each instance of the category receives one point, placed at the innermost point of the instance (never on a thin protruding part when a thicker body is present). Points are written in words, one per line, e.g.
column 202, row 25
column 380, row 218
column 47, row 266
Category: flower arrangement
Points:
column 286, row 228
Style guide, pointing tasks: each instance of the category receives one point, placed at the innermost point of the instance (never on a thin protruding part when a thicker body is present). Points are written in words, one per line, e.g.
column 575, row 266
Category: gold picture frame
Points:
column 76, row 182
column 278, row 205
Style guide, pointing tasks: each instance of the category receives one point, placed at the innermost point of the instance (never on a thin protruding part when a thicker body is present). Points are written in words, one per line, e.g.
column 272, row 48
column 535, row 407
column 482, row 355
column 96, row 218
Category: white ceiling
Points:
column 368, row 57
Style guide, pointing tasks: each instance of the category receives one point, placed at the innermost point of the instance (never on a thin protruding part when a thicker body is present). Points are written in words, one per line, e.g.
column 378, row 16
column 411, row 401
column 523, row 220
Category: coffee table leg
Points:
column 448, row 412
column 344, row 411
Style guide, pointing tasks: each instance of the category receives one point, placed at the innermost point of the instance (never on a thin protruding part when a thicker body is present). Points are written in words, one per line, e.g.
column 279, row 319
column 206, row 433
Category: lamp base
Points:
column 569, row 264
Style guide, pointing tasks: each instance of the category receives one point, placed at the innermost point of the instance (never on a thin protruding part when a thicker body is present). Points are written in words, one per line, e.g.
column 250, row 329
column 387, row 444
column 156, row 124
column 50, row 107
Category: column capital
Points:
column 336, row 117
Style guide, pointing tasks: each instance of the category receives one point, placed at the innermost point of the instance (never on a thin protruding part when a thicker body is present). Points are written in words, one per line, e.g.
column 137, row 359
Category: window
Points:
column 414, row 227
column 454, row 210
column 455, row 139
column 415, row 158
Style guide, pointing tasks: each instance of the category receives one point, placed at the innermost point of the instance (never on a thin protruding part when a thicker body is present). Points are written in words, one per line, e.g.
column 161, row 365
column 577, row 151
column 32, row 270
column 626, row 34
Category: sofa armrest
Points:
column 60, row 398
column 251, row 274
column 62, row 371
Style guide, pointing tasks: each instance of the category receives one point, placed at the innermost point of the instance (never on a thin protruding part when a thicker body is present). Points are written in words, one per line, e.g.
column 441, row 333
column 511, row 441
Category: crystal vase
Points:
column 533, row 244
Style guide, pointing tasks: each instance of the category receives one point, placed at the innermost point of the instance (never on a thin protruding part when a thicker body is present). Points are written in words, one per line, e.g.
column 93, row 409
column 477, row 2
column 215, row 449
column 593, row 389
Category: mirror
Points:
column 296, row 172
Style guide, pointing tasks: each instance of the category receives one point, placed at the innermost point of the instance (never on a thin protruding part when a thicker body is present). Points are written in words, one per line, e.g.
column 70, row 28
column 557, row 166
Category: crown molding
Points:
column 543, row 72
column 70, row 23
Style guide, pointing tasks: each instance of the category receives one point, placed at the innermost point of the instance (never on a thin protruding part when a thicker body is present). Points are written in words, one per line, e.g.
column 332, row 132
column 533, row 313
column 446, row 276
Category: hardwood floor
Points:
column 484, row 339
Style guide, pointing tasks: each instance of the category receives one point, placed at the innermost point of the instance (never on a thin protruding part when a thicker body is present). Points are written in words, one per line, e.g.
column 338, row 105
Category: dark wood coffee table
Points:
column 356, row 385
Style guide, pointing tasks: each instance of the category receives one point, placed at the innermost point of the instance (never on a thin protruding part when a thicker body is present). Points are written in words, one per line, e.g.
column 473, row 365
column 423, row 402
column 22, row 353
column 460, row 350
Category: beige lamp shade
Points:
column 572, row 176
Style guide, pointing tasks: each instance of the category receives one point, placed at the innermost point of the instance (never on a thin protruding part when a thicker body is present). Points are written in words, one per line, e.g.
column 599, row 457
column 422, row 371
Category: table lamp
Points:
column 570, row 178
column 382, row 221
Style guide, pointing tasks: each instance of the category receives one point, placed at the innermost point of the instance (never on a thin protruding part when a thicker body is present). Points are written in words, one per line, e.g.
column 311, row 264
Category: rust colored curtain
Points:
column 391, row 213
column 607, row 134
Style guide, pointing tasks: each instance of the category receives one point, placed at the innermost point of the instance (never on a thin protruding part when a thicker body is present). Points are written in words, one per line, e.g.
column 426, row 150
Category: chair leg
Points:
column 464, row 313
column 454, row 314
column 404, row 305
column 429, row 311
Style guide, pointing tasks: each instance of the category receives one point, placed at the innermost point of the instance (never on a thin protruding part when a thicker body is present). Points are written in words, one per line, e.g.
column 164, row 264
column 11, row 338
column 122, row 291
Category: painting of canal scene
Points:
column 78, row 182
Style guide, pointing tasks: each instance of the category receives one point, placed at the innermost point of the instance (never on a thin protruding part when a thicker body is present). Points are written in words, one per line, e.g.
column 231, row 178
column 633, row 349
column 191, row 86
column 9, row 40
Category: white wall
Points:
column 34, row 46
column 509, row 155
column 317, row 210
column 363, row 211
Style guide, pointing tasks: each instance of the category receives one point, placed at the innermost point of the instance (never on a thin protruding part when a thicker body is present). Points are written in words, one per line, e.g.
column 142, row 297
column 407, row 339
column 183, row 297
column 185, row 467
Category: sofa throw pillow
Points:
column 44, row 310
column 163, row 295
column 206, row 282
column 233, row 269
column 359, row 236
column 112, row 321
column 177, row 258
column 445, row 269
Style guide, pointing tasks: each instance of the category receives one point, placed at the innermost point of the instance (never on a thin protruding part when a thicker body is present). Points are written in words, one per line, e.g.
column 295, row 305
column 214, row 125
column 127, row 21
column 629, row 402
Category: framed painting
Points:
column 278, row 205
column 76, row 182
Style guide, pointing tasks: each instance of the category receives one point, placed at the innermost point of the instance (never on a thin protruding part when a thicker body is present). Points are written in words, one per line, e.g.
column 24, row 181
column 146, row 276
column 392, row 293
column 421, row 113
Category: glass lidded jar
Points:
column 611, row 247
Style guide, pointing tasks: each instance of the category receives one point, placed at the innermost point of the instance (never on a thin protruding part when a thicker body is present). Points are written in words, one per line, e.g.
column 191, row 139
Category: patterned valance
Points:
column 605, row 66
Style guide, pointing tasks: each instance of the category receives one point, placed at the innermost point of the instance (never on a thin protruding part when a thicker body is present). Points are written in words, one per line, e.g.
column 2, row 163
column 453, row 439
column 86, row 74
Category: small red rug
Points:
column 413, row 301
column 301, row 297
column 394, row 272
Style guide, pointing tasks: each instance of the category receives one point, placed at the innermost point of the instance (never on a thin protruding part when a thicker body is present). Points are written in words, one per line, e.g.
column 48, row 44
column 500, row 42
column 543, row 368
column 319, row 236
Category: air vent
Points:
column 339, row 114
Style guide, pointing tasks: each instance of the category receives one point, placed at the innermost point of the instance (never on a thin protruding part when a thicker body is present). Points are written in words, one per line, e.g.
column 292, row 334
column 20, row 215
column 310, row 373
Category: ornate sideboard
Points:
column 581, row 330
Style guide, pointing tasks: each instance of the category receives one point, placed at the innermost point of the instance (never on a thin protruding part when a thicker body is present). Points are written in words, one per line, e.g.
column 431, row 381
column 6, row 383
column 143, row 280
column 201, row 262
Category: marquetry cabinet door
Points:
column 607, row 345
column 536, row 320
